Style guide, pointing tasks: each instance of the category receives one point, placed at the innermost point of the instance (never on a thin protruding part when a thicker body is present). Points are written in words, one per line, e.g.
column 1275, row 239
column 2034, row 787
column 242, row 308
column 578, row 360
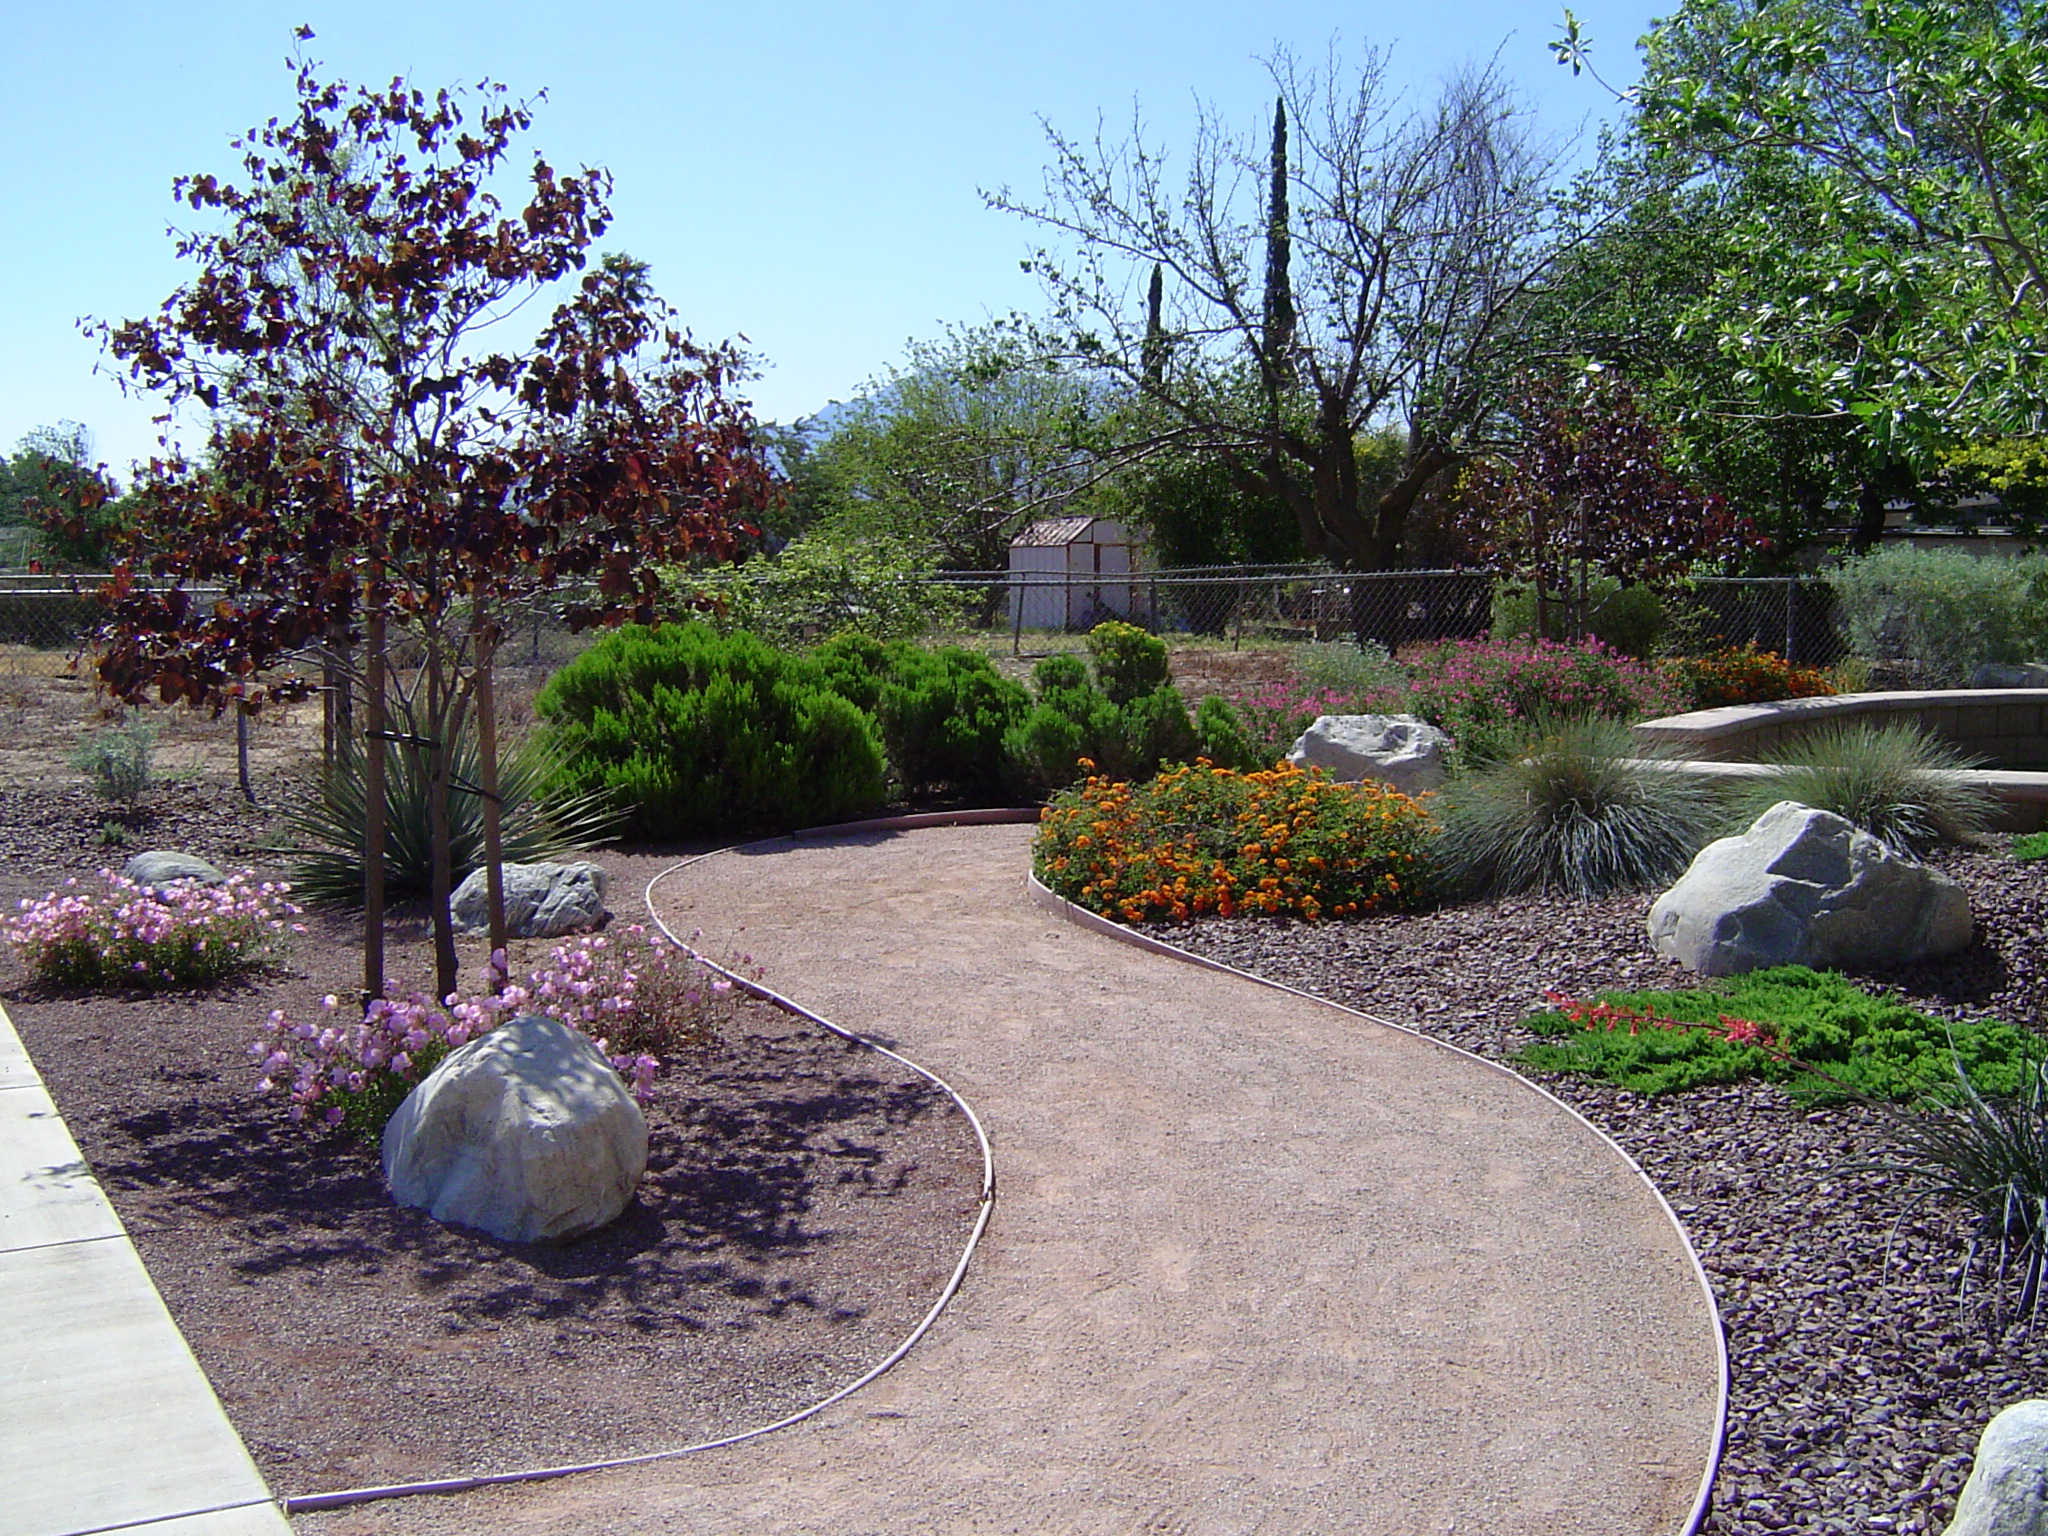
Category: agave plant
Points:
column 1901, row 783
column 323, row 840
column 1576, row 806
column 1989, row 1154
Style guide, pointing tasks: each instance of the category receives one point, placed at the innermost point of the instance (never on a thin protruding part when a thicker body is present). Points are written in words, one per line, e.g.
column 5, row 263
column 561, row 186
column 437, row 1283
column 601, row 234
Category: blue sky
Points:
column 805, row 175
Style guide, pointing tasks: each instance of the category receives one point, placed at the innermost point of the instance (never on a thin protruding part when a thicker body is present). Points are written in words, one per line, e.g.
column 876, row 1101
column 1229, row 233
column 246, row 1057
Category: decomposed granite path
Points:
column 1257, row 1265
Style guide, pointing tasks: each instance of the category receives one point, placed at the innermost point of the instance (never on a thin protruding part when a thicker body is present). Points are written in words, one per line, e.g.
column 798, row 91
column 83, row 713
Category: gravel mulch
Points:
column 1859, row 1384
column 804, row 1203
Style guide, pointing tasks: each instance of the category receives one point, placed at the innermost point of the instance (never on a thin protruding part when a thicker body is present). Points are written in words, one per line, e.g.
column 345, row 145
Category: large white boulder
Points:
column 542, row 901
column 1805, row 887
column 1402, row 750
column 2007, row 1494
column 525, row 1133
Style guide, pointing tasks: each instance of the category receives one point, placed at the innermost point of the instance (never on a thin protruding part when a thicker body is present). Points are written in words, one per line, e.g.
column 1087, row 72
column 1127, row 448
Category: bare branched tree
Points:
column 1410, row 235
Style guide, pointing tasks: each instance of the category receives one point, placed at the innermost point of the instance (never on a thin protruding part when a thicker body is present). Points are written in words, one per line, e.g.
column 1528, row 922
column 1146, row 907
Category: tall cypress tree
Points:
column 1153, row 354
column 1279, row 308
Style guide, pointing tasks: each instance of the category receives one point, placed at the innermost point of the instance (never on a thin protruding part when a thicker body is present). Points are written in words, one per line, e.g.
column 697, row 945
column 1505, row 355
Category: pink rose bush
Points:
column 625, row 994
column 118, row 934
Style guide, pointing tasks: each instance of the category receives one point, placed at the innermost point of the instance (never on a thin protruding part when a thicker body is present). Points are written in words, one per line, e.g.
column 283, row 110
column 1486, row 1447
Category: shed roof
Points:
column 1051, row 531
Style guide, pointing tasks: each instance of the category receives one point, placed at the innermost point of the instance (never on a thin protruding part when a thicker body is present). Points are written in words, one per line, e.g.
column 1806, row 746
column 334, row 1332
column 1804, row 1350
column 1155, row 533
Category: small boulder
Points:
column 1404, row 751
column 1805, row 887
column 525, row 1133
column 542, row 901
column 2007, row 1494
column 161, row 868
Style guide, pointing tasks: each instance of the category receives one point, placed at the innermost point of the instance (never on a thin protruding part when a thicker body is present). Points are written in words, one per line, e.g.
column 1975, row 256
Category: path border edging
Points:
column 1044, row 896
column 343, row 1498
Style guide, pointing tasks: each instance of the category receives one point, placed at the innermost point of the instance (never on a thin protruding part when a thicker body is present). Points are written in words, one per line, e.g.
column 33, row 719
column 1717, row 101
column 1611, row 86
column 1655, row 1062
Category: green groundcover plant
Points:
column 2029, row 846
column 1810, row 1030
column 120, row 934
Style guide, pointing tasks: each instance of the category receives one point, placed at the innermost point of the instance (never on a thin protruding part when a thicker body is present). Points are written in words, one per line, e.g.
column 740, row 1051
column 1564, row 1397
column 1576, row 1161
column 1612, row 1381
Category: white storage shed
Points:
column 1074, row 572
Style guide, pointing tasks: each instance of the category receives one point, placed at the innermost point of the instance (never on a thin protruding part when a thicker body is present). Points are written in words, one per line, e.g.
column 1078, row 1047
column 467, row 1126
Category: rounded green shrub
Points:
column 1223, row 738
column 943, row 716
column 1128, row 662
column 694, row 733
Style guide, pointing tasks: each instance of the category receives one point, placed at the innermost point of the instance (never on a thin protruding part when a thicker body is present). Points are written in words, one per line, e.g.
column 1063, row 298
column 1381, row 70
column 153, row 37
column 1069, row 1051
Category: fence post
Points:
column 1791, row 618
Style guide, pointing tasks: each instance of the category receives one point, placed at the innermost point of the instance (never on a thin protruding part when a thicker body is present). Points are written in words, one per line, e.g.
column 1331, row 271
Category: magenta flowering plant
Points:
column 1488, row 693
column 119, row 933
column 353, row 1075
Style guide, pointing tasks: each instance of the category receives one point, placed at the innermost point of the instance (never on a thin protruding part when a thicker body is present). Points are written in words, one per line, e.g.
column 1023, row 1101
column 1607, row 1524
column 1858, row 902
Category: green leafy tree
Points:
column 952, row 454
column 52, row 485
column 1362, row 266
column 1925, row 125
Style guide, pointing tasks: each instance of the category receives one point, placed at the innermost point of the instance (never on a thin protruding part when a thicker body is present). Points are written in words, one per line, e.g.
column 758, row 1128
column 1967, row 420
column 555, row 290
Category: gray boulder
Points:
column 161, row 868
column 525, row 1133
column 2007, row 1494
column 2021, row 674
column 542, row 901
column 1805, row 887
column 1402, row 750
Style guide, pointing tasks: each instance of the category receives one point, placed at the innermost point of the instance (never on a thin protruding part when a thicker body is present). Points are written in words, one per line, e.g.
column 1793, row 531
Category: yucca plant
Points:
column 322, row 844
column 1900, row 782
column 1989, row 1154
column 1578, row 807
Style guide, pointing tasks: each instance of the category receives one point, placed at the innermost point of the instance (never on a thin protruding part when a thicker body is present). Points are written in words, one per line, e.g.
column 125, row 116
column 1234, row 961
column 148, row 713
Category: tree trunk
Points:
column 1381, row 549
column 442, row 721
column 373, row 812
column 487, row 785
column 1870, row 500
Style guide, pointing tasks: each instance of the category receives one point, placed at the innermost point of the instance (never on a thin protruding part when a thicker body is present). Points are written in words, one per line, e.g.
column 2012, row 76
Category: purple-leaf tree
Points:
column 1589, row 490
column 385, row 459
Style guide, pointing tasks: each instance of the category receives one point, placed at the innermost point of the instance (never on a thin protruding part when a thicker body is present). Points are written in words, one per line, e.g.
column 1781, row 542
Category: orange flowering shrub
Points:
column 1742, row 674
column 1201, row 840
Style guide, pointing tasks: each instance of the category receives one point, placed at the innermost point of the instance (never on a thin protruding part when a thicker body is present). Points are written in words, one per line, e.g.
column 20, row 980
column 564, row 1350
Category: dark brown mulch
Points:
column 1860, row 1384
column 805, row 1201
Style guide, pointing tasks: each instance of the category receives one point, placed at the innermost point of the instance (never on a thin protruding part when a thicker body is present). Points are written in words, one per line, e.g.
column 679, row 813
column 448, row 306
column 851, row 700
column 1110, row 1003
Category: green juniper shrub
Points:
column 1222, row 737
column 1899, row 782
column 1810, row 1030
column 1128, row 662
column 943, row 716
column 1059, row 670
column 1066, row 725
column 1575, row 806
column 855, row 666
column 321, row 837
column 1158, row 730
column 694, row 733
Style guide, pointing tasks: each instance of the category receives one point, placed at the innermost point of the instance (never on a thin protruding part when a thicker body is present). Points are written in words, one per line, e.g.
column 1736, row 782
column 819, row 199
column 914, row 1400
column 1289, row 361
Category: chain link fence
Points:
column 45, row 620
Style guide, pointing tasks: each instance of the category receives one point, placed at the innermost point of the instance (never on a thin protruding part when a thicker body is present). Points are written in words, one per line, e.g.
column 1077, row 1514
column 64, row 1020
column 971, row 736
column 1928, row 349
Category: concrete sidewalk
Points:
column 106, row 1421
column 1258, row 1264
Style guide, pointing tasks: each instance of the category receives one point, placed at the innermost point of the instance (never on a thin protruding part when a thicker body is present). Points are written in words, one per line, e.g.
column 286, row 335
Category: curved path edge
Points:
column 1044, row 896
column 343, row 1498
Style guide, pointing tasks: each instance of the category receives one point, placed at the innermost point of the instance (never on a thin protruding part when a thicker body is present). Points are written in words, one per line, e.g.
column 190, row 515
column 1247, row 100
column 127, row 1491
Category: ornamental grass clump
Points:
column 1575, row 807
column 1200, row 840
column 124, row 935
column 1901, row 783
column 630, row 997
column 1823, row 1038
